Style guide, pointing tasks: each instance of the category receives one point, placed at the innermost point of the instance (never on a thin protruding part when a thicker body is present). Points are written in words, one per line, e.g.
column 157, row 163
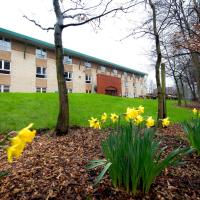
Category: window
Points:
column 88, row 78
column 41, row 53
column 103, row 69
column 88, row 91
column 69, row 90
column 67, row 60
column 68, row 76
column 5, row 44
column 4, row 67
column 114, row 71
column 41, row 90
column 88, row 65
column 41, row 72
column 4, row 88
column 126, row 84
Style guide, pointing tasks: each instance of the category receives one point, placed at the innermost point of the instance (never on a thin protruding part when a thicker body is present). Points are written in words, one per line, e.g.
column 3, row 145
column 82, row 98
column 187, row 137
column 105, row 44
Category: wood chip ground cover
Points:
column 54, row 168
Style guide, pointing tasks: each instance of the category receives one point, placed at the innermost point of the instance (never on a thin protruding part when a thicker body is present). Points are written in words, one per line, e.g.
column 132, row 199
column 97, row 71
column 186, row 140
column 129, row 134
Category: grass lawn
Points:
column 18, row 110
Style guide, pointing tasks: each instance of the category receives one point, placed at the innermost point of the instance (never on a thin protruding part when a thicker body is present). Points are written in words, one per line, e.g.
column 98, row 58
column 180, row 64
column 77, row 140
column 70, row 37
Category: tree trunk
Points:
column 183, row 89
column 196, row 63
column 157, row 66
column 178, row 91
column 62, row 125
column 163, row 90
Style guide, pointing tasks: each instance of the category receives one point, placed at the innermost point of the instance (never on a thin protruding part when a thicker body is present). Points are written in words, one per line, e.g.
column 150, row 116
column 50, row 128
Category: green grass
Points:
column 18, row 110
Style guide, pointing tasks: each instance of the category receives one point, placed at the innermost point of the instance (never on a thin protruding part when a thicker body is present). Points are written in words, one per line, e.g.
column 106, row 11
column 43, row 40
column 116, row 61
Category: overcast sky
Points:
column 104, row 44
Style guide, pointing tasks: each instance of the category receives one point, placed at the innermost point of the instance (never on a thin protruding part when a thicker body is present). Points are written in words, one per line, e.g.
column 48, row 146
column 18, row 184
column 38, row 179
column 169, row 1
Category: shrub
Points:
column 192, row 132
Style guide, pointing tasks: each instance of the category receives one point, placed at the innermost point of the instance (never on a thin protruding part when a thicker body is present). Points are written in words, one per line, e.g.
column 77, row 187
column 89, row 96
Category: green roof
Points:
column 70, row 52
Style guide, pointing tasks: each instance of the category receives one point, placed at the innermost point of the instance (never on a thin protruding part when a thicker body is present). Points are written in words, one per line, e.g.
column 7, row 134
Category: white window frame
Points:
column 5, row 44
column 103, row 69
column 69, row 90
column 2, row 68
column 67, row 60
column 41, row 53
column 88, row 79
column 43, row 72
column 126, row 84
column 115, row 72
column 69, row 76
column 2, row 88
column 41, row 90
column 87, row 64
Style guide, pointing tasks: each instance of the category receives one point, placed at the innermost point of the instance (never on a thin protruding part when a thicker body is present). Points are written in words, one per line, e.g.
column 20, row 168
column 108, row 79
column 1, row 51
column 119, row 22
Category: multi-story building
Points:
column 28, row 65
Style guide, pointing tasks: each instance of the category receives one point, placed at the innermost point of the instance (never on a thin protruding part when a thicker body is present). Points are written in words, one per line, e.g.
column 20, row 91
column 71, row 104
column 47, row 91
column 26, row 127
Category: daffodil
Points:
column 27, row 135
column 18, row 142
column 150, row 122
column 141, row 109
column 104, row 117
column 165, row 122
column 138, row 119
column 131, row 113
column 114, row 117
column 195, row 111
column 94, row 123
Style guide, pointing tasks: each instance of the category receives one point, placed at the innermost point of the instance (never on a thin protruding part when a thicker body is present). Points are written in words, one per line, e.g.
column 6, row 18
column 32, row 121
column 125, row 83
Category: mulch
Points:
column 54, row 168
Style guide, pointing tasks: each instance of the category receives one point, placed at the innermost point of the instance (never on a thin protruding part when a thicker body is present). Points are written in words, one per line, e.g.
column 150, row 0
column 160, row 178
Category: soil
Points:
column 54, row 168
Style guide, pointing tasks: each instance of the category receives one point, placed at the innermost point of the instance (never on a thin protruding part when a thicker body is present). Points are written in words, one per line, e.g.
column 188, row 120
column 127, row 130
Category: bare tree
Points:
column 70, row 13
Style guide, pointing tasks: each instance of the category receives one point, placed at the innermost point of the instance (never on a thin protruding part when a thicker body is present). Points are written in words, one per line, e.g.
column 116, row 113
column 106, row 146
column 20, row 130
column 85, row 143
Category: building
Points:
column 28, row 65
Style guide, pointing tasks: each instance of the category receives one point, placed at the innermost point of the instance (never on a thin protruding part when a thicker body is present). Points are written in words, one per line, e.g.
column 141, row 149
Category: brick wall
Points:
column 105, row 81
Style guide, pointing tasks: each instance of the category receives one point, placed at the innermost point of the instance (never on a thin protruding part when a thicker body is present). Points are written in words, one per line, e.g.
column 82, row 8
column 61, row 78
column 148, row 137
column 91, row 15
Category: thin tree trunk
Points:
column 157, row 66
column 163, row 90
column 178, row 91
column 183, row 89
column 62, row 125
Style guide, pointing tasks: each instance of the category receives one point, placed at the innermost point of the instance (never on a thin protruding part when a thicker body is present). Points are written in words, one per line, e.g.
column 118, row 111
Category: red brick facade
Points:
column 108, row 85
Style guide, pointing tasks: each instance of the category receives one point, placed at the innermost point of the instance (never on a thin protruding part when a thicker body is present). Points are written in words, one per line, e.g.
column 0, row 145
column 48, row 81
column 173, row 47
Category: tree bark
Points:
column 157, row 65
column 62, row 125
column 163, row 90
column 177, row 90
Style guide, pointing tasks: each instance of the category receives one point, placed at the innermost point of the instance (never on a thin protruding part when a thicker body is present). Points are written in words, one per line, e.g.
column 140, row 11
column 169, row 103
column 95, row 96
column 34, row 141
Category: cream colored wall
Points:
column 78, row 79
column 52, row 85
column 23, row 72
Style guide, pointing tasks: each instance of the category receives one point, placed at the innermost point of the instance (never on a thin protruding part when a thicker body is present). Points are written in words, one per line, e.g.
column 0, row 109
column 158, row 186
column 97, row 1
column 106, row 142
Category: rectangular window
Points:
column 103, row 69
column 41, row 72
column 4, row 67
column 5, row 44
column 41, row 53
column 69, row 90
column 41, row 90
column 126, row 84
column 68, row 76
column 114, row 71
column 4, row 88
column 88, row 91
column 88, row 65
column 67, row 60
column 88, row 79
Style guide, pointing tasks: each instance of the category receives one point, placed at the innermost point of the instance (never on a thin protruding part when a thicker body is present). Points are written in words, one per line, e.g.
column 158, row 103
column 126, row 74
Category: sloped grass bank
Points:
column 19, row 109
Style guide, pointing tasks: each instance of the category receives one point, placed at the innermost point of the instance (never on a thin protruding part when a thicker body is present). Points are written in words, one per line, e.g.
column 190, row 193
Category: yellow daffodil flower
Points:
column 104, row 117
column 150, row 122
column 18, row 142
column 27, row 135
column 138, row 119
column 141, row 109
column 131, row 113
column 195, row 111
column 114, row 117
column 165, row 122
column 94, row 123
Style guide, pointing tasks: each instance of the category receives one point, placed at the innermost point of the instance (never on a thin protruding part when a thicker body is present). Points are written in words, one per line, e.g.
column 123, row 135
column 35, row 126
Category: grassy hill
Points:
column 17, row 109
